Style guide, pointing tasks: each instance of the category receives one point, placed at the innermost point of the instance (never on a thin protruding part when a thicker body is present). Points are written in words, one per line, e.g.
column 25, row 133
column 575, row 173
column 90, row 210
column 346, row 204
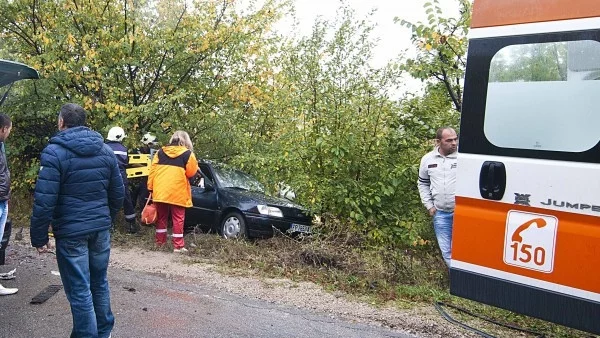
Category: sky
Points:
column 394, row 37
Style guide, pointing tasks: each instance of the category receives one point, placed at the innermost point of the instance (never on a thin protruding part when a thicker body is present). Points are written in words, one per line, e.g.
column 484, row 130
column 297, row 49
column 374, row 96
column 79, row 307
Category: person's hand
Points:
column 45, row 249
column 432, row 211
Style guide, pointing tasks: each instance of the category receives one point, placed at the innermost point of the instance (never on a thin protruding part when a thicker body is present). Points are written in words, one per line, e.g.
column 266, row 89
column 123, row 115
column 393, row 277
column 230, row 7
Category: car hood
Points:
column 11, row 71
column 259, row 198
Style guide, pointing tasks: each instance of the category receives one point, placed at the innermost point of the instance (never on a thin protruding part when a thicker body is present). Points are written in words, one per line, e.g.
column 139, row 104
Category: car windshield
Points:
column 231, row 178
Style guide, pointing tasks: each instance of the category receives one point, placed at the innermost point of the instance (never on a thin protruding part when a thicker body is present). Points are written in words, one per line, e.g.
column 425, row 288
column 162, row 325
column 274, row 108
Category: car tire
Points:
column 233, row 225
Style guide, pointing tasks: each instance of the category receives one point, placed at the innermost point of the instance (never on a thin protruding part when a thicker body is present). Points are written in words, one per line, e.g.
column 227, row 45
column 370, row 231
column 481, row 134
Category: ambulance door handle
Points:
column 492, row 180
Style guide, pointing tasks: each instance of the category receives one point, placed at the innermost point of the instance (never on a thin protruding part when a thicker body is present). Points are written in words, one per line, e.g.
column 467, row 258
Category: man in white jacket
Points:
column 437, row 187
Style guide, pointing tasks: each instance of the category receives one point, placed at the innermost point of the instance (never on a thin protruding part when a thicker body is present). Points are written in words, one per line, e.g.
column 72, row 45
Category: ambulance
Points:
column 526, row 233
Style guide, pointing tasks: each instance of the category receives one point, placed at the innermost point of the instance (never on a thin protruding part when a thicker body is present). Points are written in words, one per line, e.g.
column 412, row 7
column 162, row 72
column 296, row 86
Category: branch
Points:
column 33, row 16
column 453, row 96
column 180, row 18
column 459, row 57
column 132, row 75
column 148, row 92
column 105, row 6
column 21, row 34
column 221, row 15
column 80, row 28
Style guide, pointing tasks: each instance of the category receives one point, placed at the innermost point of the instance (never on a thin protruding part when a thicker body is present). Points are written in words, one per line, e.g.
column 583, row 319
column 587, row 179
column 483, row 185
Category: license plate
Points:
column 300, row 228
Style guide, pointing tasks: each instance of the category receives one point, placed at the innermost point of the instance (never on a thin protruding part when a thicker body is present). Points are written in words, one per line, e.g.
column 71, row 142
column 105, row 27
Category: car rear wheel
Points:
column 233, row 225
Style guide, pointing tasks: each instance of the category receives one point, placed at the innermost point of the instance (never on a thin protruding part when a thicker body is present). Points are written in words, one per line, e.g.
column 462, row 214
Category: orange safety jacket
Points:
column 172, row 167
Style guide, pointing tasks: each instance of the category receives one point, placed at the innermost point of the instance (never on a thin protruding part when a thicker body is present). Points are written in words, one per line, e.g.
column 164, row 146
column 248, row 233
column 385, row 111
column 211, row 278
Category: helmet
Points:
column 149, row 139
column 116, row 134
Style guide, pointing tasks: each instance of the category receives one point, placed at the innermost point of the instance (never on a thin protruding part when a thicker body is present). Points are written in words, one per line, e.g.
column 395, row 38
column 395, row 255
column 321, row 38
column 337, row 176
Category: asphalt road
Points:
column 147, row 305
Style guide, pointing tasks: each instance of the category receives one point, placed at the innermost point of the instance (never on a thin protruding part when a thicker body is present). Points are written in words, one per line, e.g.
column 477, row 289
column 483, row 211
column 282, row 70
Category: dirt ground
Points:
column 422, row 322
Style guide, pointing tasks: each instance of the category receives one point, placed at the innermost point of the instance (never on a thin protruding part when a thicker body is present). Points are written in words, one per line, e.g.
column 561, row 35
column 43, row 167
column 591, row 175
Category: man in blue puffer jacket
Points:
column 79, row 189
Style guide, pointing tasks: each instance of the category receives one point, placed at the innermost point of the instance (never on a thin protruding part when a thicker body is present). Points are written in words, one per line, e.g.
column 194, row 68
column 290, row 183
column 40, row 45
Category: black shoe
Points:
column 134, row 229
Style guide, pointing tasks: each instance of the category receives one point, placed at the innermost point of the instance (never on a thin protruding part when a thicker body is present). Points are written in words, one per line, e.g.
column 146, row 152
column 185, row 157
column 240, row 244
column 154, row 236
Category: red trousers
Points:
column 177, row 217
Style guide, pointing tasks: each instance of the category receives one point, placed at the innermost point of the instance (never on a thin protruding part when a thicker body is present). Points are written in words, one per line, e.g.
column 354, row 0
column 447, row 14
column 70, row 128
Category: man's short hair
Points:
column 4, row 120
column 440, row 131
column 73, row 115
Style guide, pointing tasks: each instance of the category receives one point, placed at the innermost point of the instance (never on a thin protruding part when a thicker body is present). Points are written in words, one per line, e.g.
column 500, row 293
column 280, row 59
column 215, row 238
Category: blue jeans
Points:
column 3, row 216
column 442, row 225
column 83, row 262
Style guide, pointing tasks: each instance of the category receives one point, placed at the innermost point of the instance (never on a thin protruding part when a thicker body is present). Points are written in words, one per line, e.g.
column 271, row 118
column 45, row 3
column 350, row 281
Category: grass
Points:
column 392, row 277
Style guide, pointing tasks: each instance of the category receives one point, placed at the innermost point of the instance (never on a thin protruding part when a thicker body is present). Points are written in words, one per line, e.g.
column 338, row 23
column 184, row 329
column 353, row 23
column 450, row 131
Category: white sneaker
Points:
column 7, row 291
column 182, row 250
column 8, row 275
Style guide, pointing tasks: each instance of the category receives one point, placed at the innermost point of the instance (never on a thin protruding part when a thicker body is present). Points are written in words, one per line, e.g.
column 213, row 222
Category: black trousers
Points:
column 139, row 192
column 128, row 206
column 4, row 242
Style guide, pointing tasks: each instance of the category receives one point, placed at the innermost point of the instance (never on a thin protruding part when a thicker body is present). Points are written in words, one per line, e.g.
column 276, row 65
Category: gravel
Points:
column 419, row 320
column 422, row 321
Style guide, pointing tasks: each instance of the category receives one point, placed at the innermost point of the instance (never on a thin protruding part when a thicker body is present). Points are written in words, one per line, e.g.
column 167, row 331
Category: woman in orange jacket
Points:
column 172, row 167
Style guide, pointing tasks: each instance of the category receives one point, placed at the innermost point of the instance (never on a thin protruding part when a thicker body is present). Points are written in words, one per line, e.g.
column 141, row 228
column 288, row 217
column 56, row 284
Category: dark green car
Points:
column 11, row 72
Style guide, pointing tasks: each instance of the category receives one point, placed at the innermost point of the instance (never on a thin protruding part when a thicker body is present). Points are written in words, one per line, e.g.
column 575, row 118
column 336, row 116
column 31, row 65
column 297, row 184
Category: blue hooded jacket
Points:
column 79, row 187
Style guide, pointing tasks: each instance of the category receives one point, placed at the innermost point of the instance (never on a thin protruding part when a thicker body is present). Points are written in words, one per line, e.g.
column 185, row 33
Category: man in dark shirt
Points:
column 114, row 141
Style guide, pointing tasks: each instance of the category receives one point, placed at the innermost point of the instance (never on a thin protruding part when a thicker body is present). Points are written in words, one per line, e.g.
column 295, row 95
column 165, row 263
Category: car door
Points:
column 526, row 228
column 204, row 200
column 11, row 72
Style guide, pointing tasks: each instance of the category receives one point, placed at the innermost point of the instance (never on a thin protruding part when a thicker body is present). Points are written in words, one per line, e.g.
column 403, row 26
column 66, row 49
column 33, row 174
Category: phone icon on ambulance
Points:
column 530, row 240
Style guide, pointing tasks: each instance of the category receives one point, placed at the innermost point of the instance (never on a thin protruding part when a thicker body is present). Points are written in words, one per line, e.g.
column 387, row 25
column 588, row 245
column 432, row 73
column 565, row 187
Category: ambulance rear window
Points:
column 545, row 96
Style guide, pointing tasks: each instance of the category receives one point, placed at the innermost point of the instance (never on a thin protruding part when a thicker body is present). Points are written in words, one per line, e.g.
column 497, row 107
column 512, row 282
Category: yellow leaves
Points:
column 253, row 50
column 70, row 40
column 433, row 40
column 165, row 125
column 88, row 103
column 204, row 46
column 250, row 94
column 420, row 242
column 94, row 85
column 45, row 40
column 90, row 53
column 120, row 108
column 113, row 109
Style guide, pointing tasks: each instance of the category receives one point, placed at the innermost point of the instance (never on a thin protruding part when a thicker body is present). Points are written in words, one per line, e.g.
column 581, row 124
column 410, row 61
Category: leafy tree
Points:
column 336, row 135
column 441, row 48
column 310, row 111
column 145, row 65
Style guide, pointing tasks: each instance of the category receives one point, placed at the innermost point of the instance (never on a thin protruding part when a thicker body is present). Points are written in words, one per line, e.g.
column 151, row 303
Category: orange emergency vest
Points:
column 171, row 169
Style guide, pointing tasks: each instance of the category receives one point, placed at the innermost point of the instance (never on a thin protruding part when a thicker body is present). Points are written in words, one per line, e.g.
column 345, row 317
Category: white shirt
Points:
column 437, row 180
